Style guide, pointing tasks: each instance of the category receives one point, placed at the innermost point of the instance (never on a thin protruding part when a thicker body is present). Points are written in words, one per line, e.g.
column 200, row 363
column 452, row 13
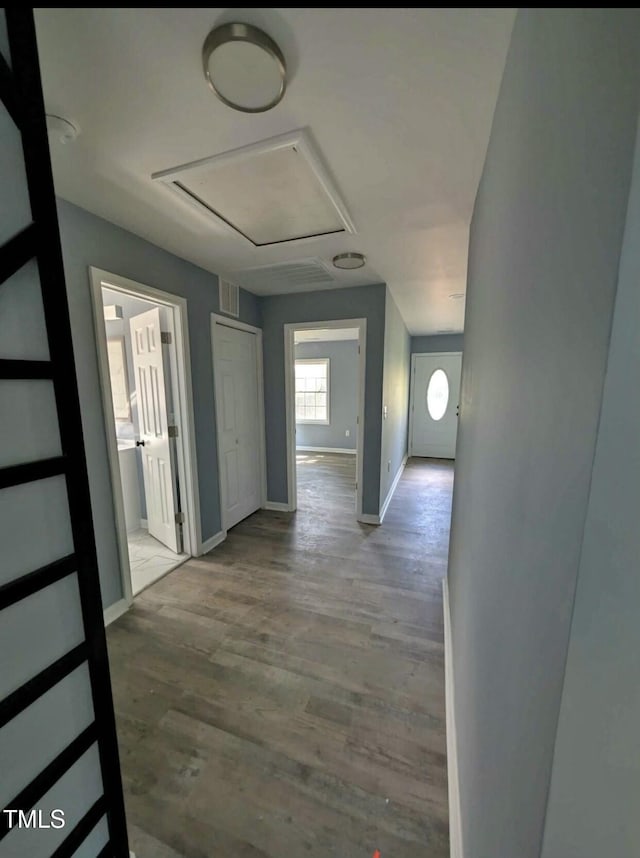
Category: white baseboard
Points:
column 276, row 507
column 396, row 480
column 211, row 543
column 347, row 450
column 144, row 524
column 114, row 611
column 366, row 518
column 455, row 818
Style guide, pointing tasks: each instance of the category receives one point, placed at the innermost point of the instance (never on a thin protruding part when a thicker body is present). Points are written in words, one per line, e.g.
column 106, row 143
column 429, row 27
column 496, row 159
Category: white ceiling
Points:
column 325, row 335
column 399, row 103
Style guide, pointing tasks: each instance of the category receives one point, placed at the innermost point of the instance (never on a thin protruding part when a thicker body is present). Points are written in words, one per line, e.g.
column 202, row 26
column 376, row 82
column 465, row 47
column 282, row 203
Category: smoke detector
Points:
column 61, row 129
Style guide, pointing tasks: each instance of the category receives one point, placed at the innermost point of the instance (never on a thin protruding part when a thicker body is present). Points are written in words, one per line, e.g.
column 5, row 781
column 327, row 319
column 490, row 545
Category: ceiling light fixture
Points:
column 455, row 296
column 349, row 261
column 244, row 67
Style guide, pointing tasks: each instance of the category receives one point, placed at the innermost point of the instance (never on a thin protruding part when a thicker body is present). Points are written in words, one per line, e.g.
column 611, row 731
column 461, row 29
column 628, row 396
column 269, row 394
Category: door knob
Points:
column 139, row 443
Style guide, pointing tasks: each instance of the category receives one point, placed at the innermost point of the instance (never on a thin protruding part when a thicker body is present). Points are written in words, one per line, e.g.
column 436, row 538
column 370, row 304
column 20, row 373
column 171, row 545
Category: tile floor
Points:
column 149, row 559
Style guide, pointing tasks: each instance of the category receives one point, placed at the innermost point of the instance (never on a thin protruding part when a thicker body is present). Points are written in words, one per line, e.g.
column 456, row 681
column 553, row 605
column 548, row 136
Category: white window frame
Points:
column 327, row 362
column 118, row 372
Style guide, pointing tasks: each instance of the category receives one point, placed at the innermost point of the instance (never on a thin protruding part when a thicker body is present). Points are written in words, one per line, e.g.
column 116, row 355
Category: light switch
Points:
column 385, row 412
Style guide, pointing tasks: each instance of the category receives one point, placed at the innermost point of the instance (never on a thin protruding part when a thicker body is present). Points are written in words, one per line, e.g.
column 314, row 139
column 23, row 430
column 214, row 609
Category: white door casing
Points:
column 238, row 422
column 158, row 455
column 289, row 382
column 431, row 437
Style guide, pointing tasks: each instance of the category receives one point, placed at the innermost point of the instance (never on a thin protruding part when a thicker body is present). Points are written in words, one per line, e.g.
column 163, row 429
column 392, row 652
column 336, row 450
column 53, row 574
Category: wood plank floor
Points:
column 326, row 483
column 284, row 695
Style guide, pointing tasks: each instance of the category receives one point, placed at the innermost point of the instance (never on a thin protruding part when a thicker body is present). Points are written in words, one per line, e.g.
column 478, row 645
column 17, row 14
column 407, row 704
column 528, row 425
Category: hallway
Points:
column 284, row 695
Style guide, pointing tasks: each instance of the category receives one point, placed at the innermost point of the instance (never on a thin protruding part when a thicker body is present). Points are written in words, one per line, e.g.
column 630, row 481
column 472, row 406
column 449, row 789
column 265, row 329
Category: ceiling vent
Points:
column 229, row 298
column 268, row 193
column 282, row 277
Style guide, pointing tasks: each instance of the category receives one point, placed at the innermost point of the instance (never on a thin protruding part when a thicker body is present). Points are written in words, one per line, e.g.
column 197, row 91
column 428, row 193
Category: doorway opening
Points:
column 325, row 373
column 143, row 363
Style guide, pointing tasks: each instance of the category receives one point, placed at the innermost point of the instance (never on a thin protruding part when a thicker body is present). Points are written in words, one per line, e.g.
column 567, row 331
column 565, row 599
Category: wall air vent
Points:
column 268, row 193
column 300, row 275
column 229, row 298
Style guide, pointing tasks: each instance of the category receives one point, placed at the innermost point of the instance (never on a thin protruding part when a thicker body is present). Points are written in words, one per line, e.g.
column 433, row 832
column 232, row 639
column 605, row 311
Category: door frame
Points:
column 183, row 407
column 412, row 386
column 290, row 402
column 218, row 320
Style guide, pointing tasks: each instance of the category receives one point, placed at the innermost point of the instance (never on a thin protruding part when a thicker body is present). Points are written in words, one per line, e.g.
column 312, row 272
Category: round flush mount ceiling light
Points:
column 244, row 67
column 349, row 261
column 456, row 296
column 61, row 129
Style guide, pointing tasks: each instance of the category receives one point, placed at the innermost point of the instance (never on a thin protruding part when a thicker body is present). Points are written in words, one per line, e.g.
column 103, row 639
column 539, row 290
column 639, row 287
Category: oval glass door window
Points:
column 437, row 394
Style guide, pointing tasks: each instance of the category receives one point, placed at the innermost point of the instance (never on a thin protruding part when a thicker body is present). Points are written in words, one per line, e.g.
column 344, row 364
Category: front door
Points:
column 236, row 380
column 435, row 395
column 158, row 453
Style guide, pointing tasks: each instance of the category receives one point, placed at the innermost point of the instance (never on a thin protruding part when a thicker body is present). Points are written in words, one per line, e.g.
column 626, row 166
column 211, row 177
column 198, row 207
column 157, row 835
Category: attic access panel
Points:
column 270, row 192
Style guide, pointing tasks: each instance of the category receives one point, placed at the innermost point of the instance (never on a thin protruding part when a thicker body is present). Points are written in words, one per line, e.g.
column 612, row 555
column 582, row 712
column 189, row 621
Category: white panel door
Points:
column 435, row 396
column 236, row 379
column 158, row 454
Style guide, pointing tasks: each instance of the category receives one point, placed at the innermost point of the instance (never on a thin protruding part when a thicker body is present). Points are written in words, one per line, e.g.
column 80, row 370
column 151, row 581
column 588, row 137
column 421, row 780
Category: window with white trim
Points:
column 312, row 390
column 119, row 381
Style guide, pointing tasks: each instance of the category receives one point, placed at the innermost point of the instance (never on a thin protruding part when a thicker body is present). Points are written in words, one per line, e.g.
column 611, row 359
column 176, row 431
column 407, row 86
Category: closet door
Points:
column 236, row 390
column 58, row 749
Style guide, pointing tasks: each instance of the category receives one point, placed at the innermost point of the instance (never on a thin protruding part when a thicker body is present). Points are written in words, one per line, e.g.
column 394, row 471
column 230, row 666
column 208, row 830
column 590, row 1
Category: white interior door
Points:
column 236, row 379
column 158, row 454
column 435, row 396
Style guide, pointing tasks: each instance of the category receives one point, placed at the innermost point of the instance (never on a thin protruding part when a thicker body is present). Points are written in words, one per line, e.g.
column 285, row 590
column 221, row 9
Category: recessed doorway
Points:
column 140, row 335
column 325, row 372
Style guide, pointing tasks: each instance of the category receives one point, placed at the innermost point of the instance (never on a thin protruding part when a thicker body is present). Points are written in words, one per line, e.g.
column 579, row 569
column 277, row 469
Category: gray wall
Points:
column 395, row 396
column 343, row 392
column 437, row 343
column 544, row 250
column 352, row 303
column 88, row 240
column 595, row 787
